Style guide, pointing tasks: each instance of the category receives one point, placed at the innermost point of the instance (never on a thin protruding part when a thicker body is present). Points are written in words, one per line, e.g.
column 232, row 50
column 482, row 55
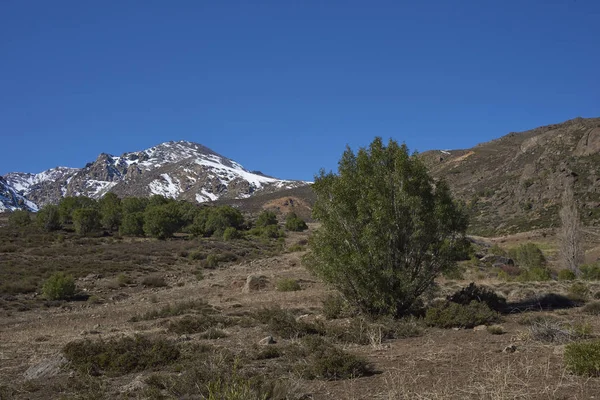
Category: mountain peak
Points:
column 176, row 169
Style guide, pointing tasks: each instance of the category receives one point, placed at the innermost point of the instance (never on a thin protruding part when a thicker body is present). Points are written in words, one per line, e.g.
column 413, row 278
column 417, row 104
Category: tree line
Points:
column 157, row 217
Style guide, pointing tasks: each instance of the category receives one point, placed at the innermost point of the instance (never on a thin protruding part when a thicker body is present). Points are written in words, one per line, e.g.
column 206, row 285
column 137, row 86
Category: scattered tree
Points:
column 387, row 229
column 571, row 250
column 295, row 223
column 86, row 220
column 266, row 218
column 48, row 218
column 132, row 224
column 19, row 218
column 110, row 211
column 162, row 221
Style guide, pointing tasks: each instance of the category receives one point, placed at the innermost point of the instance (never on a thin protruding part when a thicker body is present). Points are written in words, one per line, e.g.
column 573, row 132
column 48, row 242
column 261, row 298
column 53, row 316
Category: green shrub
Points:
column 283, row 323
column 335, row 306
column 566, row 275
column 294, row 223
column 331, row 363
column 266, row 218
column 211, row 262
column 497, row 251
column 583, row 358
column 48, row 218
column 154, row 281
column 535, row 274
column 528, row 255
column 162, row 221
column 288, row 285
column 578, row 292
column 387, row 229
column 124, row 280
column 132, row 224
column 231, row 233
column 120, row 356
column 590, row 272
column 495, row 329
column 481, row 294
column 59, row 286
column 19, row 218
column 449, row 315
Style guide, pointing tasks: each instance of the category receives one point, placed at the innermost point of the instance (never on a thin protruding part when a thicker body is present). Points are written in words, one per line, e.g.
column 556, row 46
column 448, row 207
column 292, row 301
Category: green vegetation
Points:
column 331, row 363
column 120, row 356
column 48, row 218
column 590, row 272
column 387, row 229
column 478, row 293
column 294, row 223
column 578, row 292
column 59, row 286
column 448, row 314
column 528, row 255
column 566, row 275
column 583, row 358
column 19, row 218
column 288, row 285
column 86, row 221
column 266, row 218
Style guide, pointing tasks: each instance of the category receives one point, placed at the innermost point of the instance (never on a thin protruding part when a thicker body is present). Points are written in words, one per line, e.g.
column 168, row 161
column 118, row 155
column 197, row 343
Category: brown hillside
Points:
column 514, row 183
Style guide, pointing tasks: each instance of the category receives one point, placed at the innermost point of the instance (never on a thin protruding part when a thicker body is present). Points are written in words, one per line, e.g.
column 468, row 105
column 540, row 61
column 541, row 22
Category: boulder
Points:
column 254, row 283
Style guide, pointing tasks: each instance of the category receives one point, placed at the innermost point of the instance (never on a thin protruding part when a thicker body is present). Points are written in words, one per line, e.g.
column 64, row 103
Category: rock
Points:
column 91, row 277
column 510, row 349
column 480, row 328
column 184, row 338
column 267, row 341
column 48, row 367
column 254, row 283
column 136, row 385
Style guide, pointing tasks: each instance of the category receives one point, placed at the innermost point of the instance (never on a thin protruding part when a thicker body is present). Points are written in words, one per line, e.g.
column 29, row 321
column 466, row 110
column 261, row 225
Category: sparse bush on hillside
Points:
column 583, row 358
column 528, row 255
column 387, row 229
column 110, row 211
column 590, row 272
column 231, row 233
column 288, row 285
column 579, row 292
column 162, row 221
column 536, row 274
column 86, row 220
column 120, row 356
column 213, row 221
column 481, row 294
column 294, row 223
column 19, row 218
column 132, row 224
column 59, row 286
column 266, row 218
column 448, row 314
column 48, row 218
column 566, row 275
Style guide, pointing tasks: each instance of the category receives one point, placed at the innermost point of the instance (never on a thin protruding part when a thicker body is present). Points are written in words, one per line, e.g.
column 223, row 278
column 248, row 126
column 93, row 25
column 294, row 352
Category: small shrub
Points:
column 578, row 292
column 528, row 255
column 478, row 293
column 197, row 255
column 59, row 286
column 449, row 315
column 213, row 333
column 495, row 329
column 124, row 280
column 331, row 363
column 288, row 285
column 266, row 218
column 120, row 356
column 590, row 272
column 154, row 281
column 211, row 262
column 551, row 331
column 536, row 274
column 199, row 323
column 592, row 308
column 19, row 218
column 335, row 306
column 583, row 358
column 566, row 275
column 283, row 323
column 295, row 248
column 294, row 223
column 231, row 233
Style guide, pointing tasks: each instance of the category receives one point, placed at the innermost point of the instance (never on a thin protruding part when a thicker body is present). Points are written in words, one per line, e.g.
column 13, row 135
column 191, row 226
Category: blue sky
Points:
column 283, row 86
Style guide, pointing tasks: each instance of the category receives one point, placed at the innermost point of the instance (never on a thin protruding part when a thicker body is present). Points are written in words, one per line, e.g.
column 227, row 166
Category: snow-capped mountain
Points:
column 11, row 200
column 180, row 170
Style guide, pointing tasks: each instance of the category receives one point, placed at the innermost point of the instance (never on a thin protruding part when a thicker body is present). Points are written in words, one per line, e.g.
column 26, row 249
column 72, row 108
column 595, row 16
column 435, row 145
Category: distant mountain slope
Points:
column 11, row 200
column 181, row 170
column 515, row 183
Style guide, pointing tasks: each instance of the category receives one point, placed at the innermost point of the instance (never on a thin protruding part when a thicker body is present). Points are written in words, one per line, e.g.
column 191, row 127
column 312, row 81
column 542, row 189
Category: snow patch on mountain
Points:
column 11, row 200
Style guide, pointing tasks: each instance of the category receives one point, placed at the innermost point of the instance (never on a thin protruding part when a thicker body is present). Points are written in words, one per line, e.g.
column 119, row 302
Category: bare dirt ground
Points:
column 439, row 364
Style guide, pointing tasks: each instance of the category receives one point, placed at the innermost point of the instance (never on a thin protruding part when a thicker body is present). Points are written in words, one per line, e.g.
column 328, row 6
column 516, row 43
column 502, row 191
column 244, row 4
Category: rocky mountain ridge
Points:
column 515, row 183
column 181, row 170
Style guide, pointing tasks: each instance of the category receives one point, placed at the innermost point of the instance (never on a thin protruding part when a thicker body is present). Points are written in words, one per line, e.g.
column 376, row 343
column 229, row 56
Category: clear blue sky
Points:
column 283, row 86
